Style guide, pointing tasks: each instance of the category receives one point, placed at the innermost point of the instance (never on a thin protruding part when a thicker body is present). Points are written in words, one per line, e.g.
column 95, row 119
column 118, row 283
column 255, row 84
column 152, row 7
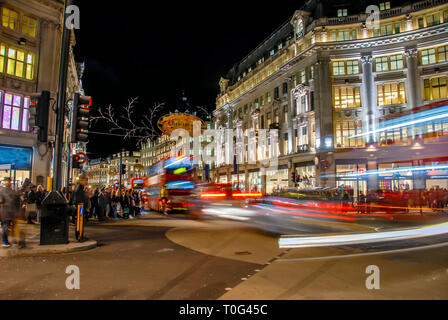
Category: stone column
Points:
column 324, row 104
column 414, row 96
column 289, row 124
column 369, row 105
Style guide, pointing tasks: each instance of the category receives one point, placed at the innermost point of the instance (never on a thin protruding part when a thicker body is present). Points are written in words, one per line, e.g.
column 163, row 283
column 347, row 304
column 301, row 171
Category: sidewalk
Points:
column 33, row 247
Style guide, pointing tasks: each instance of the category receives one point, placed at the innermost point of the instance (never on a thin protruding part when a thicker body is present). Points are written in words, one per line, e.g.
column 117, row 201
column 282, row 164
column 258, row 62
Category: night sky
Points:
column 135, row 49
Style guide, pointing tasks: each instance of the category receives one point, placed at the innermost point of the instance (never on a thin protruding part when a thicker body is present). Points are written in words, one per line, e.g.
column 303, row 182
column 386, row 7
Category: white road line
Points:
column 358, row 255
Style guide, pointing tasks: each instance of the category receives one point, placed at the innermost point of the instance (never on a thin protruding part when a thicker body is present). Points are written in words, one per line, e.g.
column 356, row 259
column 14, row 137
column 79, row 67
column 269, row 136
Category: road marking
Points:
column 358, row 255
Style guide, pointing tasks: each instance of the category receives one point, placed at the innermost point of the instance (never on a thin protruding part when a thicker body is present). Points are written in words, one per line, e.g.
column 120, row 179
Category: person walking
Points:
column 40, row 196
column 80, row 196
column 31, row 204
column 125, row 204
column 103, row 204
column 10, row 207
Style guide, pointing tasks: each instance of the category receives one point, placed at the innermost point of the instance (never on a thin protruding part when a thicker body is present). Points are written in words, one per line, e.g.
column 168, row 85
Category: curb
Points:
column 48, row 250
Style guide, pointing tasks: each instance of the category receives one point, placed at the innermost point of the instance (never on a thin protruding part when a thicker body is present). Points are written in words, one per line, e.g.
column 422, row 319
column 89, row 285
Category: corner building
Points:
column 326, row 80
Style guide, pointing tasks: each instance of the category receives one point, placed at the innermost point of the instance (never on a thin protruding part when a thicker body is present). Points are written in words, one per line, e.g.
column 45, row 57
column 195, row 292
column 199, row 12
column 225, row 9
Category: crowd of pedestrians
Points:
column 106, row 202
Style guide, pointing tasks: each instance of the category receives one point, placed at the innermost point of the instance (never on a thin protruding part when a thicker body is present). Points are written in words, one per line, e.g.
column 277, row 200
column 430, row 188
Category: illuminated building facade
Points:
column 30, row 41
column 327, row 77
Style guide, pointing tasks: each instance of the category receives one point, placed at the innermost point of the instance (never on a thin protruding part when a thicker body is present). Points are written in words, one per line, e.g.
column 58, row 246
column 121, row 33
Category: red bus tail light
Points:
column 213, row 195
column 247, row 195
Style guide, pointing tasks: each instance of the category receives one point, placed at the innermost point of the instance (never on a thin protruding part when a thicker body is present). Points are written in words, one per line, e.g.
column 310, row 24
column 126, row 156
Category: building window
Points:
column 433, row 20
column 346, row 97
column 428, row 56
column 381, row 64
column 436, row 89
column 347, row 129
column 385, row 6
column 29, row 26
column 442, row 54
column 396, row 62
column 391, row 93
column 342, row 13
column 345, row 67
column 285, row 88
column 302, row 75
column 268, row 97
column 17, row 62
column 277, row 93
column 14, row 111
column 10, row 19
column 387, row 30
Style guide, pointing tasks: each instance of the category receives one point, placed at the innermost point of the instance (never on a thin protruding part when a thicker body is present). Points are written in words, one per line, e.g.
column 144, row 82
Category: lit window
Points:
column 302, row 77
column 29, row 26
column 346, row 97
column 385, row 6
column 428, row 56
column 433, row 20
column 10, row 19
column 342, row 13
column 436, row 89
column 381, row 64
column 442, row 54
column 2, row 58
column 18, row 63
column 352, row 67
column 347, row 129
column 445, row 16
column 338, row 68
column 387, row 30
column 15, row 112
column 396, row 62
column 391, row 93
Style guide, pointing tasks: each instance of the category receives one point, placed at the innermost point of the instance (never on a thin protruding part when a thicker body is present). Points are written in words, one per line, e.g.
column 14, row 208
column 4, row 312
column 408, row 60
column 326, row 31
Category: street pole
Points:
column 121, row 167
column 61, row 103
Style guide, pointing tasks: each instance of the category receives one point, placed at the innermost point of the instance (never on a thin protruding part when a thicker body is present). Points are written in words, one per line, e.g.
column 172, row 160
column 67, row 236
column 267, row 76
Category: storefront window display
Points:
column 276, row 180
column 241, row 178
column 392, row 177
column 255, row 181
column 352, row 176
column 306, row 176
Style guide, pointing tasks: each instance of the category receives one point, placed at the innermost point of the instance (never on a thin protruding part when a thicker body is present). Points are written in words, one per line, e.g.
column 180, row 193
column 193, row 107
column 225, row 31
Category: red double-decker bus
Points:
column 169, row 185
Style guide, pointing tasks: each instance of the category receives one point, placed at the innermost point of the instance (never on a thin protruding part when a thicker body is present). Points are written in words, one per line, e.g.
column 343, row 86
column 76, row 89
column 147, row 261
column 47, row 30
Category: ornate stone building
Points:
column 30, row 39
column 326, row 78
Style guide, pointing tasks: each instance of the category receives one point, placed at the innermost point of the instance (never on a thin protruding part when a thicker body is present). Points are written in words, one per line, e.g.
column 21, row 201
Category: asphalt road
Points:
column 160, row 258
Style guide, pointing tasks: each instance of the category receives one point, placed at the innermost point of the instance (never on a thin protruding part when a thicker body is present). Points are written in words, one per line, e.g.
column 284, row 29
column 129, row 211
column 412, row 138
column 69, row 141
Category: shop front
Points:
column 306, row 175
column 255, row 181
column 351, row 176
column 16, row 163
column 277, row 180
column 395, row 177
column 223, row 179
column 239, row 181
column 437, row 178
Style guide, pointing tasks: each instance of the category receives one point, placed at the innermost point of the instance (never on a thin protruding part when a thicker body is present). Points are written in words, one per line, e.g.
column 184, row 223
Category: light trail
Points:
column 365, row 238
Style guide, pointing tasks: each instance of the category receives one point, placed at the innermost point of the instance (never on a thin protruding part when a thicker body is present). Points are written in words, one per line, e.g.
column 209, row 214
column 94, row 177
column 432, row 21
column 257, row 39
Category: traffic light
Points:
column 39, row 114
column 123, row 169
column 80, row 118
column 75, row 162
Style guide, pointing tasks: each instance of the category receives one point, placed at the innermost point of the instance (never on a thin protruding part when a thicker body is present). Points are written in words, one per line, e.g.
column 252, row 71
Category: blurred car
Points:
column 221, row 200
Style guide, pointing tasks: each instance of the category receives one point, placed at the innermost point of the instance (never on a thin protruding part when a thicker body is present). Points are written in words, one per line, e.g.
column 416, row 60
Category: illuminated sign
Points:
column 18, row 158
column 169, row 123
